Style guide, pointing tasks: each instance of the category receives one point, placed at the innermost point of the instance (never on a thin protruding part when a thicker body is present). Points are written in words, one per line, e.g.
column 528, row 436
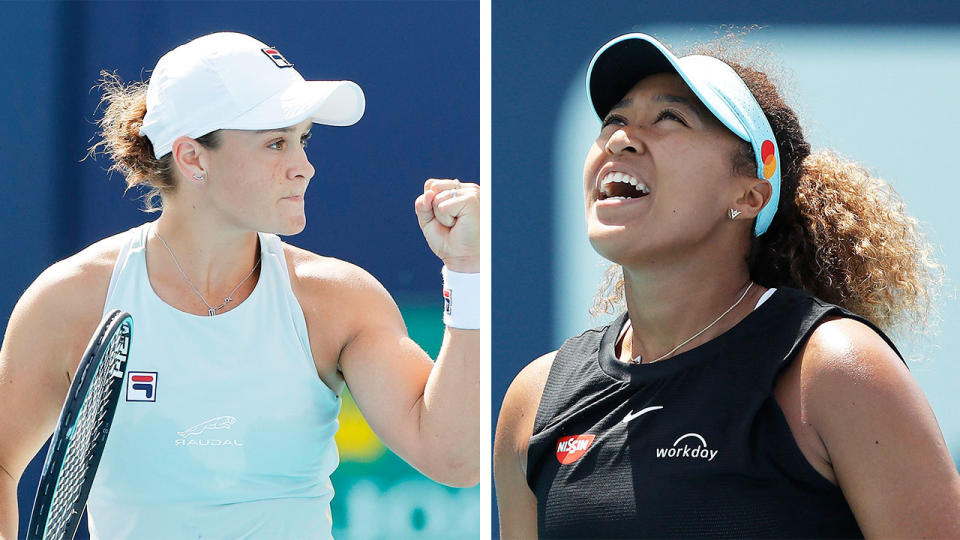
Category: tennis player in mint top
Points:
column 244, row 342
column 746, row 388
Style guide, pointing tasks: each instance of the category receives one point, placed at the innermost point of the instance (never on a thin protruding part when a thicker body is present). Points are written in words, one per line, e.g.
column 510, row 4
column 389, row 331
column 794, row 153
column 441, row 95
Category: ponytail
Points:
column 848, row 241
column 131, row 154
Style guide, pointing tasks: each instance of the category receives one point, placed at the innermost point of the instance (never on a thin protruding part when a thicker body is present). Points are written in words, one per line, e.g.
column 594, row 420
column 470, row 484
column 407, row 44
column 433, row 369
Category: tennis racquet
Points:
column 81, row 434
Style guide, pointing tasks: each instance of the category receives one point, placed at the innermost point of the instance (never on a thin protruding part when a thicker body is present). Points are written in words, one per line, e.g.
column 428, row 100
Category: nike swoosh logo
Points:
column 631, row 415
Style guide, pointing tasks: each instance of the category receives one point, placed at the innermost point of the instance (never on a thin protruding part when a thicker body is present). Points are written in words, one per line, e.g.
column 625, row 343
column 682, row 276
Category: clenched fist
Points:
column 449, row 215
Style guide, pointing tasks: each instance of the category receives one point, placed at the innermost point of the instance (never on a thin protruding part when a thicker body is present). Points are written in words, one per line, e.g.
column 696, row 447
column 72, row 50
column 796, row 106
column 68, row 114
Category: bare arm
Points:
column 42, row 345
column 428, row 413
column 881, row 436
column 516, row 503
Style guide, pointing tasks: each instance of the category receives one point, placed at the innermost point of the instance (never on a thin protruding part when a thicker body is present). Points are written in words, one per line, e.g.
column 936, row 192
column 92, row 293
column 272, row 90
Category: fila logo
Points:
column 686, row 451
column 447, row 301
column 573, row 447
column 631, row 415
column 142, row 386
column 277, row 58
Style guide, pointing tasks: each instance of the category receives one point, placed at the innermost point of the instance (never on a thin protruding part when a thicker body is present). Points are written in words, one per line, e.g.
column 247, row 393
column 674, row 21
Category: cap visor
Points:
column 333, row 103
column 622, row 62
column 619, row 65
column 339, row 103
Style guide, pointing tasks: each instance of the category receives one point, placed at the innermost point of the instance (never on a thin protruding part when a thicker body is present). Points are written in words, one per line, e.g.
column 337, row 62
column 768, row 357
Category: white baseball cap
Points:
column 624, row 60
column 233, row 81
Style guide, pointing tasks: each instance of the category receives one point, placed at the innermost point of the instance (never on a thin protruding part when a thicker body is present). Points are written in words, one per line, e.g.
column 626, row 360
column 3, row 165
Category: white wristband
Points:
column 462, row 300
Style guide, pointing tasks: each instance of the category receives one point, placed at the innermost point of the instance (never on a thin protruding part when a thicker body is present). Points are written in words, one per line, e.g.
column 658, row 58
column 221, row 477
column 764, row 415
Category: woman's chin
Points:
column 611, row 246
column 292, row 226
column 624, row 249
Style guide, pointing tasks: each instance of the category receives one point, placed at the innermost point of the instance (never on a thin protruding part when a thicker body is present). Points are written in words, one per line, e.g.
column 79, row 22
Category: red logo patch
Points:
column 573, row 447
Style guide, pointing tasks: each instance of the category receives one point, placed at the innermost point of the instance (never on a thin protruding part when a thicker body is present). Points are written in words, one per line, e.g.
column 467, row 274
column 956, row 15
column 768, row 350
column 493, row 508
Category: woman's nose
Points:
column 302, row 168
column 621, row 141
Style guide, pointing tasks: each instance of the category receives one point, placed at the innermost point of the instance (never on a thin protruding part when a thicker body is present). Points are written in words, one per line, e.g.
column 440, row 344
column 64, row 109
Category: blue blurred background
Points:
column 875, row 81
column 419, row 65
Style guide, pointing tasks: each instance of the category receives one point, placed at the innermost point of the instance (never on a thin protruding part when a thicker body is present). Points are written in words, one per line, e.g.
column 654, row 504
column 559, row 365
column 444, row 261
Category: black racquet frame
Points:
column 110, row 343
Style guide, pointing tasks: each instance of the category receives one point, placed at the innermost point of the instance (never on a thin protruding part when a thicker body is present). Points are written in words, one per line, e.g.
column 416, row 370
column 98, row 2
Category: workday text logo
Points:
column 700, row 451
column 197, row 435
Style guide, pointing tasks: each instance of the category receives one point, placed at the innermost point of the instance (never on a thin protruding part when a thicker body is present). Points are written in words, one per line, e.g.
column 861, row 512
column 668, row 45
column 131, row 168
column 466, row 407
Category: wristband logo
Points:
column 573, row 447
column 447, row 301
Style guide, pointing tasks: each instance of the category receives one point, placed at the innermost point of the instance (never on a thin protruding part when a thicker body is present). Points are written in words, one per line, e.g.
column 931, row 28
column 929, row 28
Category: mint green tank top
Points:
column 224, row 429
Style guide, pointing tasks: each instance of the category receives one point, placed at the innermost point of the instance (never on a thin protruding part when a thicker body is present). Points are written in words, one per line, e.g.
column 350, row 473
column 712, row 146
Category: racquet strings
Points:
column 85, row 438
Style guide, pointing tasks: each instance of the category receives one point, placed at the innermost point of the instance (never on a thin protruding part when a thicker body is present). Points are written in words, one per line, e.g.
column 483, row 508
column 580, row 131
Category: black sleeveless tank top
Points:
column 692, row 446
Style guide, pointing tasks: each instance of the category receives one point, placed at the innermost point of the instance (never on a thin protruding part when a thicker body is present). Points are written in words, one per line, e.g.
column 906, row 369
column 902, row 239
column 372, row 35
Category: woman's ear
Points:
column 186, row 154
column 756, row 196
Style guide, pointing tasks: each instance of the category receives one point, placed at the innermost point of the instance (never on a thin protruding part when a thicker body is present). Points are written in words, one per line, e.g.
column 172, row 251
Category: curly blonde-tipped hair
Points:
column 839, row 233
column 130, row 152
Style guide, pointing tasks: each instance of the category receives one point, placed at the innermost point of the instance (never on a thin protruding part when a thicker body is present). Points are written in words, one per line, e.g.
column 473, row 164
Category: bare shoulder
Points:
column 68, row 297
column 319, row 276
column 91, row 265
column 44, row 340
column 846, row 368
column 842, row 353
column 873, row 420
column 516, row 502
column 519, row 409
column 527, row 387
column 339, row 300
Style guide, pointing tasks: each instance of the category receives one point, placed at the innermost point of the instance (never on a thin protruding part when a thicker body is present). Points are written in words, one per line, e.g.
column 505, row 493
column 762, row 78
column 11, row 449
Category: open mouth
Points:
column 620, row 186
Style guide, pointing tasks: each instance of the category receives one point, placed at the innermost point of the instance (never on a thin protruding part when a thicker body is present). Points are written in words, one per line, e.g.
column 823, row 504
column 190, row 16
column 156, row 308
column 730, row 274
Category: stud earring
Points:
column 199, row 176
column 733, row 213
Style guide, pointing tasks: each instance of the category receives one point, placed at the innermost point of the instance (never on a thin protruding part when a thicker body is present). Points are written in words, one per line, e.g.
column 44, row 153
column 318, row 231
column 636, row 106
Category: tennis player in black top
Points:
column 748, row 390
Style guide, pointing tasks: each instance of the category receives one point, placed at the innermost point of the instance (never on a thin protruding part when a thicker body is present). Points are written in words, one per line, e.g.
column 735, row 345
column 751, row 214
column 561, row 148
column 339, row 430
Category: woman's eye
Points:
column 668, row 114
column 277, row 145
column 613, row 120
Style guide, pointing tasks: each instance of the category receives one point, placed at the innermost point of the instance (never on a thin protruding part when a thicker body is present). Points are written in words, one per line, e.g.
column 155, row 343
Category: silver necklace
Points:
column 211, row 310
column 639, row 360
